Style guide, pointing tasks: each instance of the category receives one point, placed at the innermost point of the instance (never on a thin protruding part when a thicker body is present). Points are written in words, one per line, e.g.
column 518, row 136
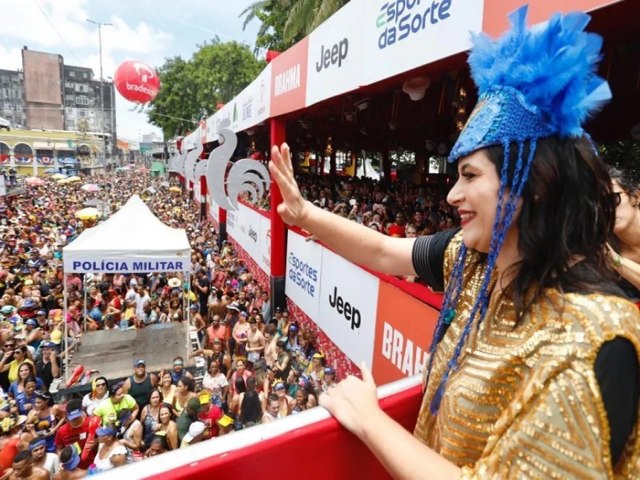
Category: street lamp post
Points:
column 104, row 138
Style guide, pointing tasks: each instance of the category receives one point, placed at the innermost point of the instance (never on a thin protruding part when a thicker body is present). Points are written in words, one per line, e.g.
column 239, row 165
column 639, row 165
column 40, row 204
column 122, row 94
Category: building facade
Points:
column 12, row 105
column 49, row 95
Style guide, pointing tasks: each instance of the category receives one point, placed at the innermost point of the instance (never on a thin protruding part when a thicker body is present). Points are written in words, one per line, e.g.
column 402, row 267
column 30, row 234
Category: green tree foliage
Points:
column 272, row 15
column 191, row 89
column 285, row 22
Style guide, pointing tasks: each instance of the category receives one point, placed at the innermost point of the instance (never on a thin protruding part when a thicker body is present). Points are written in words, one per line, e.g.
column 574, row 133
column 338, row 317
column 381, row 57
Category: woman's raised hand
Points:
column 293, row 207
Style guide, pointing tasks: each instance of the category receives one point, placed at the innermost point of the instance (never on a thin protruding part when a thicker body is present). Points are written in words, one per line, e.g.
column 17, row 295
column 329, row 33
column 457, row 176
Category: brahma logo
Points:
column 244, row 175
column 402, row 18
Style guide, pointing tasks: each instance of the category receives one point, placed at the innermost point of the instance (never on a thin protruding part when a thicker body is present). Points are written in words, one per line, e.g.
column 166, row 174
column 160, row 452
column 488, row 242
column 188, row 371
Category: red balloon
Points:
column 137, row 81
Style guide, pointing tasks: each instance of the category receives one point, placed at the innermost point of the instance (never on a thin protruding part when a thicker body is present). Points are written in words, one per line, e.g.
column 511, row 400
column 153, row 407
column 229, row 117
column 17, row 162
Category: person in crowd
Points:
column 141, row 383
column 150, row 416
column 80, row 430
column 255, row 342
column 70, row 465
column 45, row 419
column 110, row 408
column 167, row 426
column 216, row 383
column 529, row 292
column 179, row 371
column 48, row 366
column 187, row 416
column 99, row 392
column 43, row 459
column 130, row 434
column 196, row 433
column 111, row 452
column 209, row 413
column 24, row 469
column 157, row 446
column 284, row 400
column 271, row 412
column 283, row 361
column 167, row 388
column 25, row 370
column 625, row 249
column 185, row 391
column 11, row 362
column 250, row 405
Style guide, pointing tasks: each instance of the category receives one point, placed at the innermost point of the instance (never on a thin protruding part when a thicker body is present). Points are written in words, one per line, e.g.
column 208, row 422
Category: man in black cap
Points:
column 48, row 366
column 140, row 384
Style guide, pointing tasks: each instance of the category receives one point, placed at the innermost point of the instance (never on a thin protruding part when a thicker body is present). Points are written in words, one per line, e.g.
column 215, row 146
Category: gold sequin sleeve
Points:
column 556, row 434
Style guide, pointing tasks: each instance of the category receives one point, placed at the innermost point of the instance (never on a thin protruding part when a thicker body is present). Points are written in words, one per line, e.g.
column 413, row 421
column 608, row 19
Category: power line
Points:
column 56, row 30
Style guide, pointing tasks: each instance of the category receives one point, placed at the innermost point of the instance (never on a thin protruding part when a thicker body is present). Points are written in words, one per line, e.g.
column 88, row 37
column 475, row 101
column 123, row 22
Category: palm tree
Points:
column 305, row 15
column 284, row 22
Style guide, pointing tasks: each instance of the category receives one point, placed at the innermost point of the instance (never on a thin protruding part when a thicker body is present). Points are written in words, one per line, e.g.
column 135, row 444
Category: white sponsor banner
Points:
column 3, row 187
column 303, row 271
column 265, row 244
column 214, row 209
column 119, row 263
column 348, row 303
column 246, row 227
column 335, row 60
column 405, row 34
column 249, row 108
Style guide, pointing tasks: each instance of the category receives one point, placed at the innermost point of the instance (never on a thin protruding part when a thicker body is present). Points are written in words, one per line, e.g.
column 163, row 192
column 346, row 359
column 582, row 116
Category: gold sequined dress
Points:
column 525, row 401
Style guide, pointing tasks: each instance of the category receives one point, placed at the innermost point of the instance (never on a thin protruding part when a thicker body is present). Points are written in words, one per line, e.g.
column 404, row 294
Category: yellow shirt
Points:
column 13, row 369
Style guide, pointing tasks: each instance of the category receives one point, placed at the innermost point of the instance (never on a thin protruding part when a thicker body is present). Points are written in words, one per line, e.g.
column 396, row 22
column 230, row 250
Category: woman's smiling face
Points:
column 475, row 195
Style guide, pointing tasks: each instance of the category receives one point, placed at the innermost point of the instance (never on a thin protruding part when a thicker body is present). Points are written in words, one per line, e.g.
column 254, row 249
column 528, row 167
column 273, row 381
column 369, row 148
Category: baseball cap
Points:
column 73, row 461
column 244, row 314
column 204, row 397
column 31, row 322
column 140, row 362
column 195, row 429
column 104, row 431
column 56, row 336
column 279, row 386
column 329, row 371
column 225, row 421
column 41, row 312
column 48, row 344
column 73, row 414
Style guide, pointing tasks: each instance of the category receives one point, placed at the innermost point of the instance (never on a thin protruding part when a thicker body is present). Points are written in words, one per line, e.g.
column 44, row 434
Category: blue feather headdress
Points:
column 532, row 84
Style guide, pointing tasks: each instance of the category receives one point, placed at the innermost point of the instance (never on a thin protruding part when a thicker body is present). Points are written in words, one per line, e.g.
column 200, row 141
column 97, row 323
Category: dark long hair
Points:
column 567, row 217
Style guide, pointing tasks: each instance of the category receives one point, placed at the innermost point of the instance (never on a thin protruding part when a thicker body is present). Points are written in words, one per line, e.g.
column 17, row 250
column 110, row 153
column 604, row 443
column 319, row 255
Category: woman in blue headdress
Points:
column 534, row 367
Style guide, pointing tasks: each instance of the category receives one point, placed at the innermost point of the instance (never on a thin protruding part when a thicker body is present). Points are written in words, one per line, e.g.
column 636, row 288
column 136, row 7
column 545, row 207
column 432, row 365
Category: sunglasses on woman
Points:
column 617, row 197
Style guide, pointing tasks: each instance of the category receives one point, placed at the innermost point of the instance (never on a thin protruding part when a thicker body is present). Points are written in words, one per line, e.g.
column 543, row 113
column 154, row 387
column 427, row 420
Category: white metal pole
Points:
column 66, row 330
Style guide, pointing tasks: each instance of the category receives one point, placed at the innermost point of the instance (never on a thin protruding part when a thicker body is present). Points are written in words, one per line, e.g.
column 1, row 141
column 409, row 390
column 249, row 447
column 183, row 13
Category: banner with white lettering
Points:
column 401, row 35
column 126, row 263
column 302, row 282
column 335, row 62
column 348, row 303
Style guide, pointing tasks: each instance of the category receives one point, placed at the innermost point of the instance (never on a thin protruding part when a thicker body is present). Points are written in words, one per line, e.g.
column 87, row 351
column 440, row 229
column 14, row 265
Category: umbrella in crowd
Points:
column 88, row 213
column 175, row 189
column 58, row 176
column 75, row 178
column 90, row 187
column 34, row 181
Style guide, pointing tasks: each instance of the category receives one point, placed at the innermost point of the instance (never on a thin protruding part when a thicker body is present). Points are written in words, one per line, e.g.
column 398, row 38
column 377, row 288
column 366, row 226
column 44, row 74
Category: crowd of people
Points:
column 261, row 364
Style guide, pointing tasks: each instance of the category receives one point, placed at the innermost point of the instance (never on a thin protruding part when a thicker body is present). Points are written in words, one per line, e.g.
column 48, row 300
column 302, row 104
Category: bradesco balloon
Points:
column 137, row 81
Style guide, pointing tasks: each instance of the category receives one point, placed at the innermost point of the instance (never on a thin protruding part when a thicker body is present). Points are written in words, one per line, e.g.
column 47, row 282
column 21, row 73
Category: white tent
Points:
column 133, row 240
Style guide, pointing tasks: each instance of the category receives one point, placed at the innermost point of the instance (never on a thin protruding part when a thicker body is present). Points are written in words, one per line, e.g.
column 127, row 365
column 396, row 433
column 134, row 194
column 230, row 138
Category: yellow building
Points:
column 31, row 152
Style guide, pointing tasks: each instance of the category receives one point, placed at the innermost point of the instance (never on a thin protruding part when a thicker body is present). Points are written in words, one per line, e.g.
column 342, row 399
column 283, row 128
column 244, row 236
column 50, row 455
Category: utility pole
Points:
column 104, row 138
